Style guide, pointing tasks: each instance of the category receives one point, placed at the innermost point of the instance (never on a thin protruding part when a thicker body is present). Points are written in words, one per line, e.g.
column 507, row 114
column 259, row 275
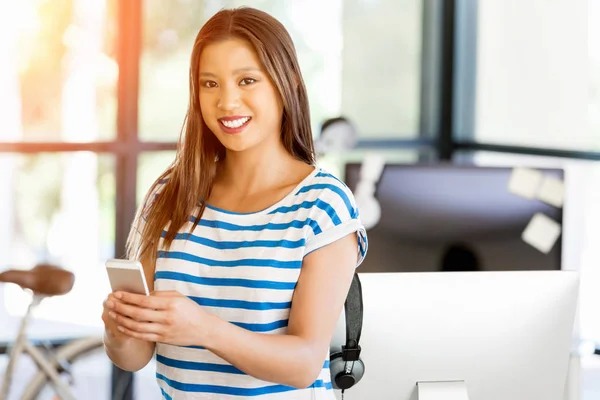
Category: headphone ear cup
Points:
column 358, row 370
column 337, row 367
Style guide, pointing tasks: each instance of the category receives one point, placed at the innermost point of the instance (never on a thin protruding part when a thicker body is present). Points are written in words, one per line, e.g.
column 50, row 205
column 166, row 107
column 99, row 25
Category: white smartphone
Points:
column 127, row 276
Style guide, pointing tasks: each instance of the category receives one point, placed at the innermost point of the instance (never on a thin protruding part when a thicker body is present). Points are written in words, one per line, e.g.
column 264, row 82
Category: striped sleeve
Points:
column 337, row 215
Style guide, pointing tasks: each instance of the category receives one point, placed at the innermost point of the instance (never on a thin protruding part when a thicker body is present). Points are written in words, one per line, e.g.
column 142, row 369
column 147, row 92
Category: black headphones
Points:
column 345, row 366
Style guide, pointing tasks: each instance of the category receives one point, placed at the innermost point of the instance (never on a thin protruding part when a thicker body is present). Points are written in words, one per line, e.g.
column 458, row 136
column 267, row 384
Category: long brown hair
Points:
column 189, row 179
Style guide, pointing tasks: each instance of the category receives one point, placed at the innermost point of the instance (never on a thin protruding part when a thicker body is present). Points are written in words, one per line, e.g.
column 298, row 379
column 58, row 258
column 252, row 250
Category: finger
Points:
column 138, row 313
column 141, row 300
column 149, row 337
column 110, row 301
column 111, row 296
column 137, row 326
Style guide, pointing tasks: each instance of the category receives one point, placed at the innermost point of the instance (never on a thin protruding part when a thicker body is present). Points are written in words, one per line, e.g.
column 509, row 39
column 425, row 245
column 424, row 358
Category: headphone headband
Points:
column 354, row 315
column 345, row 366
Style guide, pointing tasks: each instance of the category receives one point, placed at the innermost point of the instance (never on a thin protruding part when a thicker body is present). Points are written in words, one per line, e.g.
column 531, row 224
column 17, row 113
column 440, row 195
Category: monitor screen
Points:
column 445, row 217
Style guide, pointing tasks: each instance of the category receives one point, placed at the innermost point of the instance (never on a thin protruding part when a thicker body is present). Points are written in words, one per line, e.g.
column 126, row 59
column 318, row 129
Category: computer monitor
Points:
column 443, row 217
column 501, row 335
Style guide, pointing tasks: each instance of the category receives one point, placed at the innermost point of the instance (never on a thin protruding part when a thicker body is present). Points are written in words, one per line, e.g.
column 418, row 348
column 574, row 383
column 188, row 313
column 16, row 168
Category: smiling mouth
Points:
column 235, row 123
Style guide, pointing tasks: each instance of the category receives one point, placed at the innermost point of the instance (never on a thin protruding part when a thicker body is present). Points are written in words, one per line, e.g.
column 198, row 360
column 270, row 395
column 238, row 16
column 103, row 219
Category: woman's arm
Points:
column 296, row 358
column 293, row 359
column 128, row 353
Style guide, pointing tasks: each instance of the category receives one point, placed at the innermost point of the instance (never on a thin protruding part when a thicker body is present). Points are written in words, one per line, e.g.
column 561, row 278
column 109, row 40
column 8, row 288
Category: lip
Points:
column 233, row 118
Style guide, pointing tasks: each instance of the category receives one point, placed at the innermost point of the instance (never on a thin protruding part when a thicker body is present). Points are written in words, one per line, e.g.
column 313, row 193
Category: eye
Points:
column 209, row 84
column 247, row 81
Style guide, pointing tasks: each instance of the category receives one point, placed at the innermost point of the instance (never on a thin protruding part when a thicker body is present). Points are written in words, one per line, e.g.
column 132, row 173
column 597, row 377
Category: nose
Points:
column 229, row 98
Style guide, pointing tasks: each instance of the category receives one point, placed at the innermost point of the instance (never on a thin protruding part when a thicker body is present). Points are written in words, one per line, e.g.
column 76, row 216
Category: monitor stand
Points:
column 450, row 390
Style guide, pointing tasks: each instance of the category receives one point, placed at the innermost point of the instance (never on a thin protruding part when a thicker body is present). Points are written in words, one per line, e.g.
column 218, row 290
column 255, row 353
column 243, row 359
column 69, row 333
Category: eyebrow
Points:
column 237, row 71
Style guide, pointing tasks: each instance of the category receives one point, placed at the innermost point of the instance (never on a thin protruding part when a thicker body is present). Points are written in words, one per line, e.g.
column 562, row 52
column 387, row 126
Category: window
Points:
column 532, row 77
column 59, row 208
column 59, row 85
column 58, row 71
column 594, row 67
column 150, row 166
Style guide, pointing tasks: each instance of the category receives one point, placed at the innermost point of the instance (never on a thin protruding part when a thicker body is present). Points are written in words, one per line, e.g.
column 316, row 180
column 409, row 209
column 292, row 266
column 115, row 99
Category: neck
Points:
column 251, row 171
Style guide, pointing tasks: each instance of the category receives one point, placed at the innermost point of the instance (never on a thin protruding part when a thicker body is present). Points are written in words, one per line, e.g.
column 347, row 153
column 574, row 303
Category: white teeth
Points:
column 236, row 123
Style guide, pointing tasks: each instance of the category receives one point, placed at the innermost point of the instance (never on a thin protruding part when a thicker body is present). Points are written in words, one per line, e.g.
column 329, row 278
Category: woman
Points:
column 248, row 248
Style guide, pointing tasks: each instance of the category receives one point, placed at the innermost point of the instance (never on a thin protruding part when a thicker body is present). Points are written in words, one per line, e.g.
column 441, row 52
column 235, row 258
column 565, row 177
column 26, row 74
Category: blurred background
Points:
column 93, row 95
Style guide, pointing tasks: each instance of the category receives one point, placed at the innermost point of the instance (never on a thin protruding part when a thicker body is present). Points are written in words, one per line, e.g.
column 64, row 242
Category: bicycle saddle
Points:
column 43, row 279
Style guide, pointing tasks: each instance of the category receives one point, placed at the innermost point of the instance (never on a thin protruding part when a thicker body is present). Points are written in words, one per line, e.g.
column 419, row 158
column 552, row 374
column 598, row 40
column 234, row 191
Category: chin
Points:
column 231, row 145
column 239, row 143
column 236, row 149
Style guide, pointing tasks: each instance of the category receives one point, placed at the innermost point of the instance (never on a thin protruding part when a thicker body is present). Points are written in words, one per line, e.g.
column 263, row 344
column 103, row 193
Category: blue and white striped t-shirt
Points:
column 244, row 268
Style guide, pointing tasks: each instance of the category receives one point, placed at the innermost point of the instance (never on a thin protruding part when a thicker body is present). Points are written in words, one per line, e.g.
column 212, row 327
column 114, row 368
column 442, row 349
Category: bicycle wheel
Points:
column 85, row 358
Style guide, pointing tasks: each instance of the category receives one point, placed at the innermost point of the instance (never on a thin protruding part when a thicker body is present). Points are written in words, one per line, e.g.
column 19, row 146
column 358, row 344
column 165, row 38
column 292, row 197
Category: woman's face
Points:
column 239, row 103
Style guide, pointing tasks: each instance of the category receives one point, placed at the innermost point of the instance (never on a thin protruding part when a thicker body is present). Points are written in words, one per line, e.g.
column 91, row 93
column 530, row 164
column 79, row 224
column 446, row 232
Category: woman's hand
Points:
column 114, row 336
column 164, row 316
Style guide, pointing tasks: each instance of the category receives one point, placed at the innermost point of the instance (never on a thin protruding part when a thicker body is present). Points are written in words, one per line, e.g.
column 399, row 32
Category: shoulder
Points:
column 329, row 194
column 333, row 211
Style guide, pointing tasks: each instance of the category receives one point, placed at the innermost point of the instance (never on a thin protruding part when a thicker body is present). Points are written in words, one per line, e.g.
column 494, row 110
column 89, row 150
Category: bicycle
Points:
column 46, row 281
